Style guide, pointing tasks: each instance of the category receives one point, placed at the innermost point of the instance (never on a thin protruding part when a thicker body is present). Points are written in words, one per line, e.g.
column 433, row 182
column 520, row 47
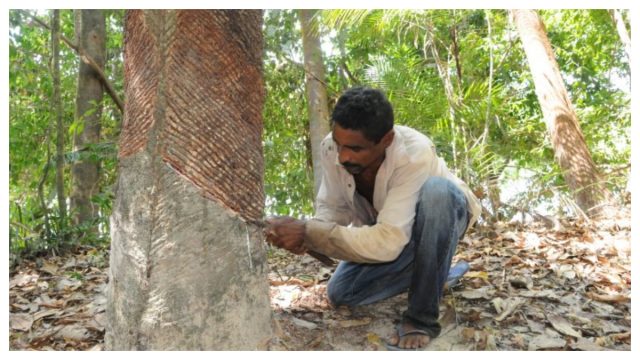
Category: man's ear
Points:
column 387, row 139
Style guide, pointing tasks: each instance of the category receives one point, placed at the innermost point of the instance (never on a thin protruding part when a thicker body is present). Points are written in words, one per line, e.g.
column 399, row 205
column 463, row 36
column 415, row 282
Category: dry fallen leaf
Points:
column 46, row 313
column 97, row 347
column 376, row 342
column 608, row 327
column 499, row 304
column 586, row 345
column 520, row 282
column 477, row 275
column 355, row 322
column 548, row 294
column 481, row 293
column 20, row 321
column 49, row 268
column 509, row 235
column 508, row 307
column 67, row 284
column 303, row 323
column 514, row 260
column 562, row 325
column 23, row 280
column 613, row 298
column 518, row 341
column 624, row 337
column 468, row 333
column 490, row 343
column 545, row 342
column 74, row 332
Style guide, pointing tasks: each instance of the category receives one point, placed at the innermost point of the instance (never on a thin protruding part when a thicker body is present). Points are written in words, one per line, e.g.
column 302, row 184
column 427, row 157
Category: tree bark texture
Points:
column 570, row 148
column 57, row 112
column 316, row 91
column 91, row 37
column 188, row 268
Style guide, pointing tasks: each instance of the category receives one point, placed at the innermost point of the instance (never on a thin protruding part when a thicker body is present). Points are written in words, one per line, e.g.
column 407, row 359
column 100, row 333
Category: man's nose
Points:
column 344, row 155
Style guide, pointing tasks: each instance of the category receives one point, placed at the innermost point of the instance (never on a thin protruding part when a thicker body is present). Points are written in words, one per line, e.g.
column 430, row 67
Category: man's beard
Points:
column 352, row 168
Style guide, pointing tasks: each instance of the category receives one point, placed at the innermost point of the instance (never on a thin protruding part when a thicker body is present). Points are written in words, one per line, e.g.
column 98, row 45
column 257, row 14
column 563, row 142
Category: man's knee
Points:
column 436, row 188
column 337, row 294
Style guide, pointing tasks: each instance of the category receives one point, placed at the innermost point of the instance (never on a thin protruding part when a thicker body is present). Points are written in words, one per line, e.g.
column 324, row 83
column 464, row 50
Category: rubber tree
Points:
column 187, row 265
column 570, row 149
column 85, row 177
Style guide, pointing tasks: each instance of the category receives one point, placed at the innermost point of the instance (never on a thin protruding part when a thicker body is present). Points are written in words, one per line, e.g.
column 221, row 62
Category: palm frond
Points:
column 341, row 19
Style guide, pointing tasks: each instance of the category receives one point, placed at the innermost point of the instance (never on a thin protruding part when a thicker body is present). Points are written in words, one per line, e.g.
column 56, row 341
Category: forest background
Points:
column 459, row 76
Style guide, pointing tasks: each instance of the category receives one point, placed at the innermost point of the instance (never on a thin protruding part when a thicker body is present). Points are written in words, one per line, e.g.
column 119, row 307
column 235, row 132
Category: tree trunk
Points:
column 569, row 146
column 618, row 20
column 85, row 171
column 449, row 91
column 188, row 264
column 316, row 91
column 57, row 112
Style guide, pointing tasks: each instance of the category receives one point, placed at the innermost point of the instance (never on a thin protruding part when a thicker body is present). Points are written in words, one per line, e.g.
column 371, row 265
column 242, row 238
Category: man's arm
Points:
column 381, row 242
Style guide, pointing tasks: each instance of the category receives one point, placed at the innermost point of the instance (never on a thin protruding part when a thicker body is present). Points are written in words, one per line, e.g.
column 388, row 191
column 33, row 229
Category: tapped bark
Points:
column 85, row 172
column 188, row 264
column 316, row 91
column 570, row 148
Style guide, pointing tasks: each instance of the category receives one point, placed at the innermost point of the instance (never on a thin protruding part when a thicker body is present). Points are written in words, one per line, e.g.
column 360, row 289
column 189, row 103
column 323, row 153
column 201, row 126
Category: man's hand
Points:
column 286, row 232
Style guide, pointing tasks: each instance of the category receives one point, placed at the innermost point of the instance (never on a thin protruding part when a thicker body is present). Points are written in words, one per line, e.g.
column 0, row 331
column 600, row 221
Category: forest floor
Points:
column 529, row 288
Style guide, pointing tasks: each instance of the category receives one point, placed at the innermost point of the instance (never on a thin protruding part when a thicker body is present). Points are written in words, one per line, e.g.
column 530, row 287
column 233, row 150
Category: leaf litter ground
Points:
column 529, row 288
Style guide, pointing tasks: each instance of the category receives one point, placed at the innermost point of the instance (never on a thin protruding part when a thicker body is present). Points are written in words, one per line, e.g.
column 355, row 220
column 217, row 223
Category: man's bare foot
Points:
column 409, row 337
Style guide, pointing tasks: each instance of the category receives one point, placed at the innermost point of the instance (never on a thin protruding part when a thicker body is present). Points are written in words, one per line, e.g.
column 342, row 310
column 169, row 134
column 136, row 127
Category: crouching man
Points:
column 389, row 208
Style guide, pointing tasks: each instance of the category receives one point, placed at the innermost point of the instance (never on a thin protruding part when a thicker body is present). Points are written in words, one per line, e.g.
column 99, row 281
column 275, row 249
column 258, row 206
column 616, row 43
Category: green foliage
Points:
column 288, row 179
column 490, row 127
column 493, row 119
column 597, row 73
column 32, row 132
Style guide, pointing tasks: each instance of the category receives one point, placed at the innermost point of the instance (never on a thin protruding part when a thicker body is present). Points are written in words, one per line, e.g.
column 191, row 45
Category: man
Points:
column 389, row 208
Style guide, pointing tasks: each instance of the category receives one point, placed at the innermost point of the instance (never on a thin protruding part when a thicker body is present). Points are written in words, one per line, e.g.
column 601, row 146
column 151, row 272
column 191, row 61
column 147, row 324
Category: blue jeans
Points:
column 422, row 267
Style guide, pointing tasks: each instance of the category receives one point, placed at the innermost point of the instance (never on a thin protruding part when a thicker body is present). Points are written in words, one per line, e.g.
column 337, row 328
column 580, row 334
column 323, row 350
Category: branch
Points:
column 617, row 170
column 349, row 74
column 306, row 71
column 549, row 222
column 87, row 60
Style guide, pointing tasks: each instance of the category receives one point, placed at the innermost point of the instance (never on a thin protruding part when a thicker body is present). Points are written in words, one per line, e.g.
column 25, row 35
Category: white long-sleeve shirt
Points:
column 346, row 226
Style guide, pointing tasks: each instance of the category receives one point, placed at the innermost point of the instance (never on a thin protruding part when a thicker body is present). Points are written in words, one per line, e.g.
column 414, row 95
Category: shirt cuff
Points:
column 317, row 236
column 323, row 237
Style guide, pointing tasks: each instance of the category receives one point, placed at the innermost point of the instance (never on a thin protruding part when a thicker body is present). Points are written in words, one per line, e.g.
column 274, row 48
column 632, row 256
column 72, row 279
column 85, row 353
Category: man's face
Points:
column 355, row 152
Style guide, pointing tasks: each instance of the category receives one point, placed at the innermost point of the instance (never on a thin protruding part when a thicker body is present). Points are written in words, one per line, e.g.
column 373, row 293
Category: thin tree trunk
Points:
column 618, row 20
column 91, row 37
column 569, row 146
column 87, row 60
column 57, row 107
column 42, row 182
column 485, row 133
column 316, row 91
column 342, row 69
column 456, row 54
column 443, row 72
column 188, row 263
column 493, row 188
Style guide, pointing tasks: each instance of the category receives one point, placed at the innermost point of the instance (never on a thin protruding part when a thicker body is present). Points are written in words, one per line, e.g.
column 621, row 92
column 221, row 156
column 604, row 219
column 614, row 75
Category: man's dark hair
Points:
column 364, row 109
